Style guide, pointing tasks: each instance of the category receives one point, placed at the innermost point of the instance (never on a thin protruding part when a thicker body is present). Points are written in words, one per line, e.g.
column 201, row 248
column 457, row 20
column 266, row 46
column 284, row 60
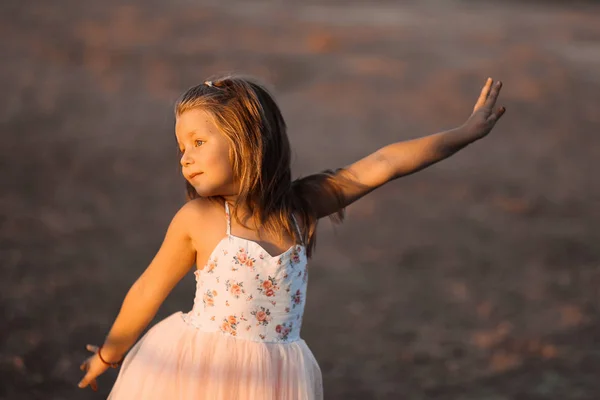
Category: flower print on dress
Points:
column 295, row 255
column 208, row 298
column 268, row 287
column 211, row 265
column 242, row 258
column 296, row 298
column 235, row 288
column 270, row 291
column 263, row 316
column 230, row 324
column 283, row 330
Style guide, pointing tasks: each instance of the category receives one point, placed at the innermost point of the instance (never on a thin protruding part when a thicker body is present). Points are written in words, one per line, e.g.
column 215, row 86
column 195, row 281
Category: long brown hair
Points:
column 247, row 115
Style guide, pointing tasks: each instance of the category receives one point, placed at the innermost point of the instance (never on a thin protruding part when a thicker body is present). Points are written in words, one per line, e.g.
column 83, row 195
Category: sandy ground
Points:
column 478, row 278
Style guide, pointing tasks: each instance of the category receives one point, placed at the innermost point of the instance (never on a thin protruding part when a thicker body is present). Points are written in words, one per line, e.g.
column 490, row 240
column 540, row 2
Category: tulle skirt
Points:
column 174, row 360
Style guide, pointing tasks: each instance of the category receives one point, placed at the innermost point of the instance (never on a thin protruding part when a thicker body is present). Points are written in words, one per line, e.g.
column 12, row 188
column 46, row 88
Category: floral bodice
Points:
column 244, row 292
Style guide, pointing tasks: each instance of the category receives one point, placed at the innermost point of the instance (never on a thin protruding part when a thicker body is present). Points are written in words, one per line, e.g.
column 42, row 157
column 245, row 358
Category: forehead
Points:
column 194, row 121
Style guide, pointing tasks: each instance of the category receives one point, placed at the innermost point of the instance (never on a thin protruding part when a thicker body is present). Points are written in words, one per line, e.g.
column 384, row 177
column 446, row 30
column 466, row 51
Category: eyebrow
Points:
column 188, row 134
column 194, row 132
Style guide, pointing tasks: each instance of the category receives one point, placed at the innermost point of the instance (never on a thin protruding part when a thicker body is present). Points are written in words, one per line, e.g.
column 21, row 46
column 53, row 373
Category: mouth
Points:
column 195, row 174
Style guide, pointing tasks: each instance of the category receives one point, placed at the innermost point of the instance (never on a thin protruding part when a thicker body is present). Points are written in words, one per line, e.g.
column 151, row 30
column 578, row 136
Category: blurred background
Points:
column 478, row 278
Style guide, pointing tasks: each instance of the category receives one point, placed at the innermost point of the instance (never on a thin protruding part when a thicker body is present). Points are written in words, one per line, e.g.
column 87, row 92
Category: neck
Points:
column 241, row 210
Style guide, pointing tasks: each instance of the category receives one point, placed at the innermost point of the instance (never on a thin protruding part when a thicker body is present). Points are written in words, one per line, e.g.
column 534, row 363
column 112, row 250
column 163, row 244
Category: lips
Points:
column 195, row 174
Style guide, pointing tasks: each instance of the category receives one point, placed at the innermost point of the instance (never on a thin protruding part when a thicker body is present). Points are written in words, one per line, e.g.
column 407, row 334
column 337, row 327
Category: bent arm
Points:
column 386, row 164
column 173, row 260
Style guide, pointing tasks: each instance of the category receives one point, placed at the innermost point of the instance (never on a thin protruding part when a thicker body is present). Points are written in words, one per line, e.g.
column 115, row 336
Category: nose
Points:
column 186, row 160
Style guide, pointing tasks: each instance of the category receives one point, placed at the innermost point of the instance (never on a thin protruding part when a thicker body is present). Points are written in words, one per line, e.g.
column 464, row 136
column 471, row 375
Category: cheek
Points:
column 218, row 166
column 225, row 161
column 209, row 158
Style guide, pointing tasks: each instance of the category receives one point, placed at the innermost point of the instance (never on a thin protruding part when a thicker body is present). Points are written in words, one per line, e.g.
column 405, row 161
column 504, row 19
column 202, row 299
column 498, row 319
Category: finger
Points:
column 491, row 100
column 87, row 379
column 83, row 366
column 94, row 385
column 92, row 348
column 497, row 114
column 484, row 94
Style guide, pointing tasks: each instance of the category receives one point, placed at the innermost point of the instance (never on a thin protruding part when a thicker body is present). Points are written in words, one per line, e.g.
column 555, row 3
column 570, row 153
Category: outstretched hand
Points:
column 485, row 114
column 93, row 367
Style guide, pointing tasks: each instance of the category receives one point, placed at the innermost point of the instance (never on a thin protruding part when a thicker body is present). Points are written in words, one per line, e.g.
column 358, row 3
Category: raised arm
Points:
column 173, row 260
column 350, row 183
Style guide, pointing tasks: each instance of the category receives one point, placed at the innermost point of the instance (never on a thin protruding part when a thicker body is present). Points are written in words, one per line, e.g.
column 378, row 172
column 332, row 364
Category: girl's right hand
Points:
column 93, row 367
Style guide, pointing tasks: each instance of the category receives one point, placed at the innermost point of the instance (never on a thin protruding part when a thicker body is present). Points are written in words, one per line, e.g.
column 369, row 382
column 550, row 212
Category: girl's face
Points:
column 205, row 154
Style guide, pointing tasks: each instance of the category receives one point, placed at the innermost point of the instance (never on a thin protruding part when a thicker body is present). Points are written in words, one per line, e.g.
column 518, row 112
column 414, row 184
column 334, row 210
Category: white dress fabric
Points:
column 241, row 340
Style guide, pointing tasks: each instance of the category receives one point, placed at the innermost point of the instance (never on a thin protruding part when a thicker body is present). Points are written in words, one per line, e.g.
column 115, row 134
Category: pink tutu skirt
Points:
column 174, row 360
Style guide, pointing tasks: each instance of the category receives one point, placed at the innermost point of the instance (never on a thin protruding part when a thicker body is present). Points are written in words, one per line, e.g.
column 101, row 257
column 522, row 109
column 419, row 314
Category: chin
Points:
column 208, row 188
column 204, row 191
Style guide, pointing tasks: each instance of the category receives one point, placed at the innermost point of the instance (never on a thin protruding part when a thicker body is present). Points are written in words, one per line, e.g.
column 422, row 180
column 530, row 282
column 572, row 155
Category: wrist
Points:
column 472, row 130
column 109, row 358
column 451, row 141
column 468, row 133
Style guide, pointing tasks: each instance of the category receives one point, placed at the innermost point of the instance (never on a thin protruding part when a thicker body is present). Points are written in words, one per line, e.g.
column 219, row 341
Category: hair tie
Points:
column 208, row 83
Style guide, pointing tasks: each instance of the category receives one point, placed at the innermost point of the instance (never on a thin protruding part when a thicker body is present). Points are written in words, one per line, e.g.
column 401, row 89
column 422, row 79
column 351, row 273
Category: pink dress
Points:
column 241, row 340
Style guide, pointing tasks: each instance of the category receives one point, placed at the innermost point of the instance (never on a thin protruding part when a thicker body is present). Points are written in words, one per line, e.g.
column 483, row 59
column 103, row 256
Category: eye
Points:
column 198, row 142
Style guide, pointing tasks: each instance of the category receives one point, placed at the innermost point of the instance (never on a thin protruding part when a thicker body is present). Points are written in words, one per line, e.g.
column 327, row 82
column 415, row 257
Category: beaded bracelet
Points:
column 112, row 365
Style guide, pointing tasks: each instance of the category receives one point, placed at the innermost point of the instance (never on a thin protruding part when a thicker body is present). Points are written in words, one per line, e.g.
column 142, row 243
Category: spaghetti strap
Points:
column 298, row 229
column 228, row 218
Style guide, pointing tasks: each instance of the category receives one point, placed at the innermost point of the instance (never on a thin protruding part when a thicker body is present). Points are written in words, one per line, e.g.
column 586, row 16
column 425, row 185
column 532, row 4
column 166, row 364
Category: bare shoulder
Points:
column 204, row 221
column 323, row 192
column 331, row 191
column 182, row 217
column 192, row 213
column 195, row 207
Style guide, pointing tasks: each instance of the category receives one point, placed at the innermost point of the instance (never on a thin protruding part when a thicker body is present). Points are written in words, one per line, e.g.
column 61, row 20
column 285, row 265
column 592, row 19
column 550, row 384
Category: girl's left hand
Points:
column 484, row 116
column 93, row 367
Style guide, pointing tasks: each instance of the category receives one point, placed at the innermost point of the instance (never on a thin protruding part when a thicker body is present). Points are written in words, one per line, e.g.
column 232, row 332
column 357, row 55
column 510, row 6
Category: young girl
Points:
column 250, row 230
